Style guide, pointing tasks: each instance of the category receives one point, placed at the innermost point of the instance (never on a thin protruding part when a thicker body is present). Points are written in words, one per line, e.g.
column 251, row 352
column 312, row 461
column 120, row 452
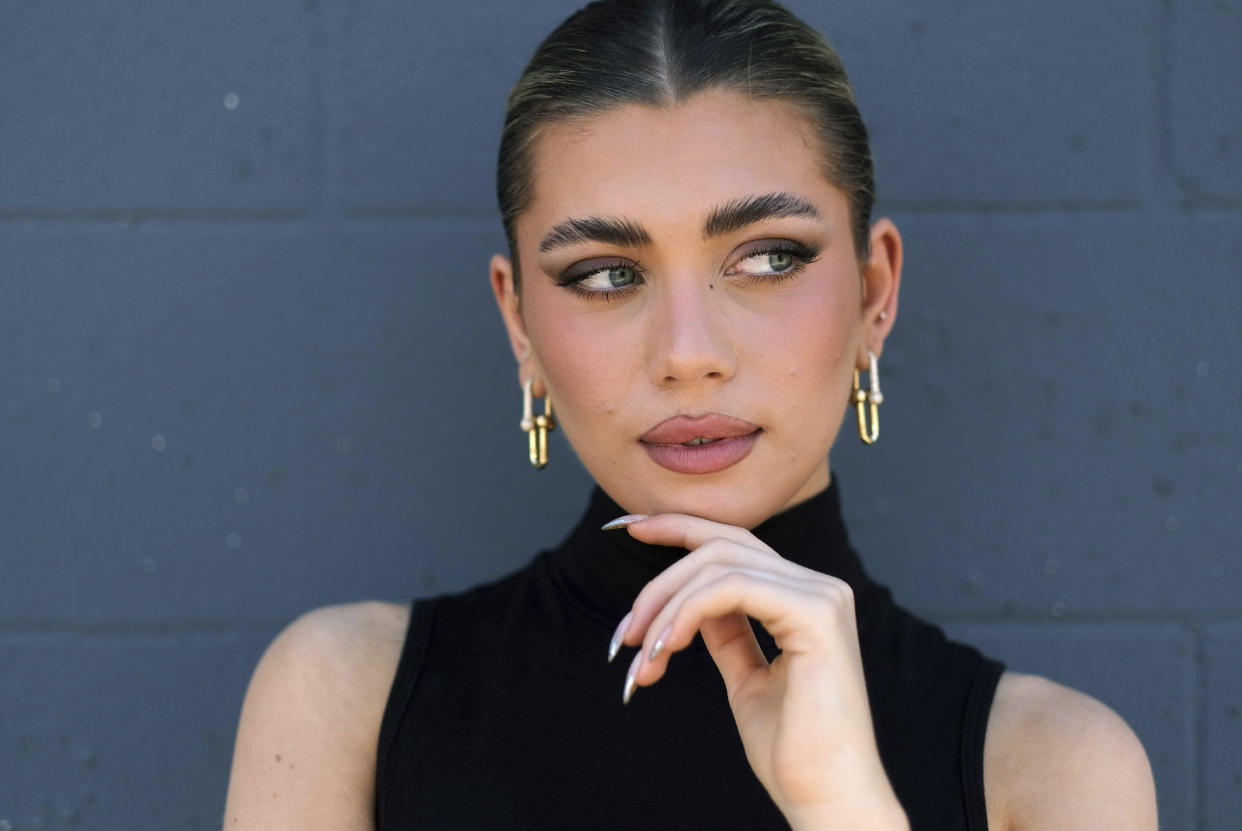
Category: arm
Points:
column 306, row 743
column 1055, row 758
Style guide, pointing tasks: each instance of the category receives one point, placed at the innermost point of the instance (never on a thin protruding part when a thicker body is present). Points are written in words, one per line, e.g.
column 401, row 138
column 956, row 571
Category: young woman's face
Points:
column 692, row 302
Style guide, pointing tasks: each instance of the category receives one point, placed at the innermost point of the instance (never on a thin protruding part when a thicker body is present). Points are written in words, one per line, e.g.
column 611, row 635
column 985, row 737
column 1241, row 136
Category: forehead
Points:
column 668, row 166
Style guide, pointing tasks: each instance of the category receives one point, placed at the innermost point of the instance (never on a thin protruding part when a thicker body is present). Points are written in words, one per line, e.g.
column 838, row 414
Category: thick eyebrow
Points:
column 739, row 213
column 722, row 219
column 605, row 229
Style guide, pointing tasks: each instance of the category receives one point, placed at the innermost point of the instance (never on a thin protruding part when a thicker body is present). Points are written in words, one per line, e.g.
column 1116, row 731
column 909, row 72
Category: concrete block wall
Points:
column 249, row 362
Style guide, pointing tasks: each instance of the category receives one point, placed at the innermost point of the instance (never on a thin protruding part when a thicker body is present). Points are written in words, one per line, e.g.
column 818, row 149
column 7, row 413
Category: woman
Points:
column 695, row 281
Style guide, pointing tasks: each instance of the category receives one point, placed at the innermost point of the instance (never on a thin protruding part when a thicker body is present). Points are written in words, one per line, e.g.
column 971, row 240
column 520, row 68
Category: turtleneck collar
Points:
column 605, row 570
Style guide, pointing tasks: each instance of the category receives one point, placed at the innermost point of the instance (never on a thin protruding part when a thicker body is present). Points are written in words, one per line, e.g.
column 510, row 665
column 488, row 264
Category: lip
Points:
column 683, row 428
column 733, row 437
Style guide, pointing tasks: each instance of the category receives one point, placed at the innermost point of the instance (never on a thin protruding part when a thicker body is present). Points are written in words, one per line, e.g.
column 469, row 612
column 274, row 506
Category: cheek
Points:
column 813, row 341
column 584, row 363
column 812, row 355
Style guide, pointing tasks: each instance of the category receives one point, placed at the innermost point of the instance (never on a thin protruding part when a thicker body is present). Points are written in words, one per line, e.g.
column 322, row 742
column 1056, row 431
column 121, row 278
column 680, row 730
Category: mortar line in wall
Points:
column 128, row 218
column 1198, row 787
column 1204, row 206
column 364, row 212
column 973, row 207
column 968, row 208
column 1162, row 191
column 1190, row 620
column 1188, row 617
column 1211, row 204
column 110, row 628
column 327, row 74
column 300, row 223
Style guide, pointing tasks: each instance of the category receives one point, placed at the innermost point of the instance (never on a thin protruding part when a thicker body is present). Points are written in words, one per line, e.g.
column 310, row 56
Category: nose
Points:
column 690, row 339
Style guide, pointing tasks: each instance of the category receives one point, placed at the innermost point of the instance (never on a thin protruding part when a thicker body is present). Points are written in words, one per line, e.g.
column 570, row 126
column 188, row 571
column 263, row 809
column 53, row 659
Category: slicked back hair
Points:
column 660, row 52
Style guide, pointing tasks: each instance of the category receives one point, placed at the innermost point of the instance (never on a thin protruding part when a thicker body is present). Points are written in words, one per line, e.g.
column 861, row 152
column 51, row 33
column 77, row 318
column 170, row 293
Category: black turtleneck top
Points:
column 504, row 713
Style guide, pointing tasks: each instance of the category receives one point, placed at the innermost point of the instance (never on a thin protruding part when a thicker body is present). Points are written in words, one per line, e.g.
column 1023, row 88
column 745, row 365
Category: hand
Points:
column 804, row 719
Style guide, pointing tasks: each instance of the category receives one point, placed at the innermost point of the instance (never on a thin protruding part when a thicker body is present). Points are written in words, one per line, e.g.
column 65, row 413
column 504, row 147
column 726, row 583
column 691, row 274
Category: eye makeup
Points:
column 579, row 278
column 609, row 279
column 799, row 257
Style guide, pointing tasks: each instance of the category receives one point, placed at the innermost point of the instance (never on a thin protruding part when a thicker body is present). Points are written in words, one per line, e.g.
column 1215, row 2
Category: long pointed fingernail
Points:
column 618, row 636
column 630, row 680
column 622, row 521
column 659, row 644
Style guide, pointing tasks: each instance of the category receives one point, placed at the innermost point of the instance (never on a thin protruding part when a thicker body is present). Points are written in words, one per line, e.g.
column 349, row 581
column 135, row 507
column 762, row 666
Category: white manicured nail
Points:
column 622, row 521
column 659, row 644
column 618, row 636
column 630, row 680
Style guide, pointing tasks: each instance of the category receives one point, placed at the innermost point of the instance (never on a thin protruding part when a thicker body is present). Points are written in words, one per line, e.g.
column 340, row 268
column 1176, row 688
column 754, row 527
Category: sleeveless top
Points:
column 505, row 714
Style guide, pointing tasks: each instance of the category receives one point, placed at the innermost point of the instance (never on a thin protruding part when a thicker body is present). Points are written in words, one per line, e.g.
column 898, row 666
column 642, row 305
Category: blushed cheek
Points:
column 815, row 346
column 585, row 368
column 815, row 339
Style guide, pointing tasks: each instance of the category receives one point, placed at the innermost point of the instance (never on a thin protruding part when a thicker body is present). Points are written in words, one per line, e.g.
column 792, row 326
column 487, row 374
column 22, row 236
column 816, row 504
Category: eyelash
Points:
column 571, row 281
column 802, row 255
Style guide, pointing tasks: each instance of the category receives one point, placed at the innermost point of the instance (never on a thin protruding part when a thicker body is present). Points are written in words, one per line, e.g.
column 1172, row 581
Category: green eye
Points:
column 769, row 263
column 780, row 260
column 609, row 279
column 619, row 277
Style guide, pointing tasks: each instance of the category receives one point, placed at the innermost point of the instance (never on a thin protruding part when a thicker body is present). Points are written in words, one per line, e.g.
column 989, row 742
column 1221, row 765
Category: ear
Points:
column 508, row 301
column 881, row 279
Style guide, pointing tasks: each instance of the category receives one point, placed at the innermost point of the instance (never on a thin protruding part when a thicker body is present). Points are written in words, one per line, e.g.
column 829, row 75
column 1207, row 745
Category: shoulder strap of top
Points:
column 974, row 730
column 417, row 637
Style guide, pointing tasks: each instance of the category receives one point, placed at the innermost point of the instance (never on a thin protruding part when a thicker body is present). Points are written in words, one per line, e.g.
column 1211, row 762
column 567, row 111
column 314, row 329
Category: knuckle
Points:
column 644, row 598
column 838, row 596
column 717, row 571
column 839, row 590
column 733, row 580
column 845, row 592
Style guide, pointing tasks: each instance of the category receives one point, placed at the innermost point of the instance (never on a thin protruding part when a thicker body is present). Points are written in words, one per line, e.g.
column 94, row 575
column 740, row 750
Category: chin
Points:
column 741, row 500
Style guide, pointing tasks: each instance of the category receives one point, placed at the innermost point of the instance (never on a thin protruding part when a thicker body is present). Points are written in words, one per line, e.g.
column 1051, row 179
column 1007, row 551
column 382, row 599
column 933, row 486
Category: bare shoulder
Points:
column 348, row 638
column 1057, row 758
column 306, row 743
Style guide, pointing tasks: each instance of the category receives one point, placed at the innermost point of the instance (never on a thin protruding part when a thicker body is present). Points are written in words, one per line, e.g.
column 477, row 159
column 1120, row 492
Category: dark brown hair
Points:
column 658, row 52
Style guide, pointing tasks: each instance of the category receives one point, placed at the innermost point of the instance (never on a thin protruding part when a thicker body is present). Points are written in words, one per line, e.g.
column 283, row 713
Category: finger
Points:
column 660, row 589
column 730, row 640
column 720, row 590
column 690, row 532
column 719, row 551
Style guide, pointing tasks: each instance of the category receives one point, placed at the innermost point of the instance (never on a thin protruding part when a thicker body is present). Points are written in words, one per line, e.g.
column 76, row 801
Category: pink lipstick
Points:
column 700, row 444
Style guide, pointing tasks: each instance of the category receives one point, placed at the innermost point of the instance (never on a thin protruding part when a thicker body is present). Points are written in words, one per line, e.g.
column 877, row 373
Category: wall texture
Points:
column 249, row 362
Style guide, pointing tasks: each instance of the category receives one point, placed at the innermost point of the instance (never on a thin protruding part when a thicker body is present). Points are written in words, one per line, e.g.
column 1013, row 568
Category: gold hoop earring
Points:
column 870, row 398
column 536, row 426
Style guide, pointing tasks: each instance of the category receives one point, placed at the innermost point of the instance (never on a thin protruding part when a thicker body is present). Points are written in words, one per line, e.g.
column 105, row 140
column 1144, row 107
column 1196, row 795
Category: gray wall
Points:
column 249, row 362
